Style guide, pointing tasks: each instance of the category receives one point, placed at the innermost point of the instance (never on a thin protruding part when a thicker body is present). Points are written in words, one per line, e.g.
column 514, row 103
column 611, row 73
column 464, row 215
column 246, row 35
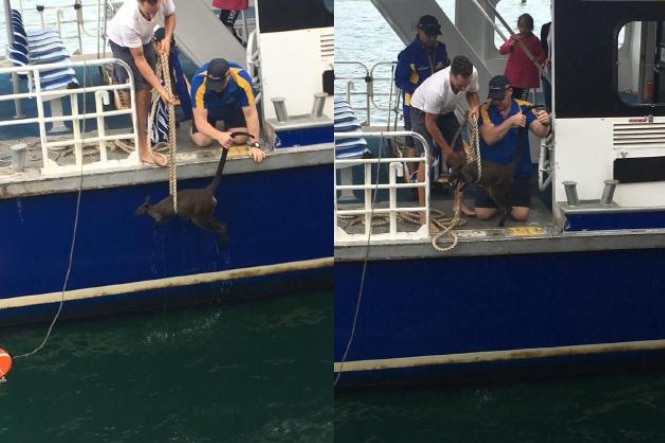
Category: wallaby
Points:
column 496, row 181
column 197, row 205
column 496, row 178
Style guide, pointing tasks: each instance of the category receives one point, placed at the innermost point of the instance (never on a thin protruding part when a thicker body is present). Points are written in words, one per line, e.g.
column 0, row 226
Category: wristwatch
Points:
column 255, row 145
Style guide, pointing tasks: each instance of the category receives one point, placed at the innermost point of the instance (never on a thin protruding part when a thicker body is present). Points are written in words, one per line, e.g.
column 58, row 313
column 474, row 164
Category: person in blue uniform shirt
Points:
column 424, row 56
column 222, row 93
column 502, row 126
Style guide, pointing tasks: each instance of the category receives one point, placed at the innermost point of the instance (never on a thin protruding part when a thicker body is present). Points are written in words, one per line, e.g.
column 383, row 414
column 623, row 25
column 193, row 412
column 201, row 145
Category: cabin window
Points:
column 293, row 15
column 641, row 63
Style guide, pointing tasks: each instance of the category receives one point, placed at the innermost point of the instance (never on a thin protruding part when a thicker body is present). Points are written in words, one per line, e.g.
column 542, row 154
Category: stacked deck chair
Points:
column 38, row 47
column 346, row 121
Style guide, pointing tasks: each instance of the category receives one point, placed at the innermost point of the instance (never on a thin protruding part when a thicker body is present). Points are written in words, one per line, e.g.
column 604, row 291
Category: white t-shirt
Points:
column 130, row 29
column 436, row 96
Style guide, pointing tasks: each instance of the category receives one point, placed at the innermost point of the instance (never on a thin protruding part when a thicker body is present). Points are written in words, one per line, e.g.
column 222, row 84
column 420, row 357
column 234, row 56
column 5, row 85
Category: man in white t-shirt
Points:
column 433, row 114
column 130, row 37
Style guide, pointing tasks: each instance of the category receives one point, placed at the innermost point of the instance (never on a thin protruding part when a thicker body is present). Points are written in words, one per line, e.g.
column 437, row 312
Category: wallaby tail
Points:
column 220, row 168
column 218, row 175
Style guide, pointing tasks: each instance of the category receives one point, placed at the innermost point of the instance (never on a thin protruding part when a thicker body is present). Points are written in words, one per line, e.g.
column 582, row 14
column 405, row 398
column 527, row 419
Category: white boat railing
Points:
column 371, row 92
column 78, row 137
column 367, row 207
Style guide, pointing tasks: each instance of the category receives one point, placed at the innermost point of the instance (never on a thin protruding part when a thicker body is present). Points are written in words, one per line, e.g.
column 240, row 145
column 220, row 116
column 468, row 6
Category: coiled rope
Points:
column 472, row 150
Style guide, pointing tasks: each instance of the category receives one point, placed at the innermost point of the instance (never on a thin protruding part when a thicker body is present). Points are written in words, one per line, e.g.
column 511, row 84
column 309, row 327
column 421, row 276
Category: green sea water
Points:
column 599, row 409
column 253, row 372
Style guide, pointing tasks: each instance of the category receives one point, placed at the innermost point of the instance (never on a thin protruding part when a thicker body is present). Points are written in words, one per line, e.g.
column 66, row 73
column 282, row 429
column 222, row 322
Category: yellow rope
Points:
column 173, row 179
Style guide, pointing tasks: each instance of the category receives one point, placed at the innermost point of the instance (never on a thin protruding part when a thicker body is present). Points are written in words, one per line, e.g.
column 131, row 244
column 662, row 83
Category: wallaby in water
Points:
column 197, row 205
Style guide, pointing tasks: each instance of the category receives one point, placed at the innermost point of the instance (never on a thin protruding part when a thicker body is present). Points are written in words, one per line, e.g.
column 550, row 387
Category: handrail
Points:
column 373, row 101
column 78, row 139
column 395, row 168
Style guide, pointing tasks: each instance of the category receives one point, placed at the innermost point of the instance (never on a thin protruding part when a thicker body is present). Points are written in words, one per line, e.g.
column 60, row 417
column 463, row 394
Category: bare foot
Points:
column 155, row 158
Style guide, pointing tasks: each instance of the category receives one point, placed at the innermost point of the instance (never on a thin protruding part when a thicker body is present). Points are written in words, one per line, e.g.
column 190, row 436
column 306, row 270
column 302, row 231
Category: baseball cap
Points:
column 498, row 86
column 430, row 25
column 216, row 73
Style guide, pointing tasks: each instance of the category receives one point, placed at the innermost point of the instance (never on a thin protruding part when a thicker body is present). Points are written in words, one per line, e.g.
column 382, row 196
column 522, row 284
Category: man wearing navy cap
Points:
column 424, row 56
column 503, row 140
column 222, row 92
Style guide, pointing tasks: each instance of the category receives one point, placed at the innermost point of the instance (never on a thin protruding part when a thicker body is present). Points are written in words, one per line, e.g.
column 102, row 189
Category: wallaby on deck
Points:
column 496, row 178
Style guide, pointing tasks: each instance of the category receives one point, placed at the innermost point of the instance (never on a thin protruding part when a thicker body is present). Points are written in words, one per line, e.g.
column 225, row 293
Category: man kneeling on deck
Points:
column 222, row 90
column 504, row 141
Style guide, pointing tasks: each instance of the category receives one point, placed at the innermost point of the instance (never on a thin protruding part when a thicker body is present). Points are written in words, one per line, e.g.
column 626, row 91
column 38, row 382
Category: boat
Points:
column 578, row 286
column 68, row 192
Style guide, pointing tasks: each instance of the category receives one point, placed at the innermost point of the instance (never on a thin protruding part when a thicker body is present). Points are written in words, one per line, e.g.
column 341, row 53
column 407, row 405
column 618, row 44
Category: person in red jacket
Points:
column 522, row 69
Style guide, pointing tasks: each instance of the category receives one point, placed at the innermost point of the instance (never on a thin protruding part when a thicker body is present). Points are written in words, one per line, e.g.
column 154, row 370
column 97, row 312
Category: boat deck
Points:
column 539, row 220
column 186, row 152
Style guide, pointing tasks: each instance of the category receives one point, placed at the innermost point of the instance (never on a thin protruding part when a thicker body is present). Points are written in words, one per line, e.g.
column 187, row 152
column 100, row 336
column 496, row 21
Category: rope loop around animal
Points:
column 472, row 150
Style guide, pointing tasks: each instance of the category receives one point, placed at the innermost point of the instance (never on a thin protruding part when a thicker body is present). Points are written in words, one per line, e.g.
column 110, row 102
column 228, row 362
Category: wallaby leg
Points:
column 213, row 224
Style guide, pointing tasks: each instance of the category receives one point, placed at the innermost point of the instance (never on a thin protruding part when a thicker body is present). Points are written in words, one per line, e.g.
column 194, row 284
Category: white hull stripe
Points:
column 169, row 282
column 487, row 356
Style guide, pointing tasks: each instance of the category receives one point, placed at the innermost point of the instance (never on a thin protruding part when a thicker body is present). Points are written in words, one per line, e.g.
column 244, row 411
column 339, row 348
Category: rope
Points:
column 472, row 150
column 361, row 289
column 72, row 247
column 165, row 72
column 173, row 179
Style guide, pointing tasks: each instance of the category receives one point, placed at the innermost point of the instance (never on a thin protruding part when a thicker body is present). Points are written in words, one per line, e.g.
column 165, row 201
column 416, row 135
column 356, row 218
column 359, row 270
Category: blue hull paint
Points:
column 617, row 220
column 305, row 136
column 272, row 218
column 494, row 303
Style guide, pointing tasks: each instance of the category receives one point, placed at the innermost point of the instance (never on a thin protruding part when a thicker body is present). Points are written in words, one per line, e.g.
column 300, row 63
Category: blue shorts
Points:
column 236, row 120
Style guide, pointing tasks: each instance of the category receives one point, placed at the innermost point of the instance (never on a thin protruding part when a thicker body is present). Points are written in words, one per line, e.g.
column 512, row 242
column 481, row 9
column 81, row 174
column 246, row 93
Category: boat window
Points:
column 292, row 15
column 641, row 63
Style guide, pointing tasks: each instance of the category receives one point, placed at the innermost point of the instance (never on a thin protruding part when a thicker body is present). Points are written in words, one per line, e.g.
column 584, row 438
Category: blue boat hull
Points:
column 487, row 312
column 272, row 219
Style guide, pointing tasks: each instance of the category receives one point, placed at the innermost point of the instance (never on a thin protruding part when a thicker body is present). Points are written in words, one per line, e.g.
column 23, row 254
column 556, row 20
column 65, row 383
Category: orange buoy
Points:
column 5, row 363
